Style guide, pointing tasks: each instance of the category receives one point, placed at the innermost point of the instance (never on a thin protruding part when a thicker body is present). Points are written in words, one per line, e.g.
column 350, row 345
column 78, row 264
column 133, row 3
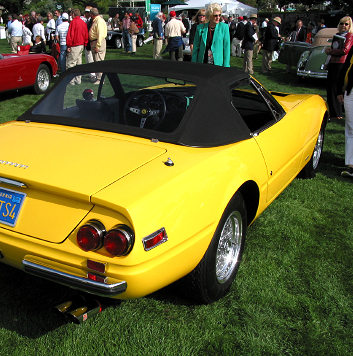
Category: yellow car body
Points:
column 72, row 175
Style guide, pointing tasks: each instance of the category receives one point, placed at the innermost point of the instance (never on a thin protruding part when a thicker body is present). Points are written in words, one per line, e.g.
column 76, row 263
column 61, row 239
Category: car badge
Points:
column 14, row 164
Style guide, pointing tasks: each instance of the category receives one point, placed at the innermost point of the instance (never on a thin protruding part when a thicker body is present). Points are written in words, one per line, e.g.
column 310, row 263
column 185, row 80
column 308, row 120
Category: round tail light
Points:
column 90, row 236
column 119, row 240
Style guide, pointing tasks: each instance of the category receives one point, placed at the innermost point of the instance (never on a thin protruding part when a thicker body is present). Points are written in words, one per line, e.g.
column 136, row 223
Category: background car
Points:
column 153, row 175
column 115, row 39
column 309, row 59
column 30, row 70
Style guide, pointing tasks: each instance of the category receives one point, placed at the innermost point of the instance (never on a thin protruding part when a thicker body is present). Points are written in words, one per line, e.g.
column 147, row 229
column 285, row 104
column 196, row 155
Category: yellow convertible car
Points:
column 122, row 187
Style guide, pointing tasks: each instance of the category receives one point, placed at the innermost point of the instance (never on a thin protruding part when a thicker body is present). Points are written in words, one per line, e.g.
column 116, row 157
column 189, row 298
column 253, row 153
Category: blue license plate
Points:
column 10, row 206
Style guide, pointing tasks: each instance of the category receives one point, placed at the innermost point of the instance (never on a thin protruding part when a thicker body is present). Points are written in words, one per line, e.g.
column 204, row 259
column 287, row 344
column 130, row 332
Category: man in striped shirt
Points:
column 61, row 33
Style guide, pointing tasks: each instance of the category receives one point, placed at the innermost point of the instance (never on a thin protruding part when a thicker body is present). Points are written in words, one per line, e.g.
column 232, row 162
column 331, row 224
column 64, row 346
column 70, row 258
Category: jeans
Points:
column 127, row 40
column 62, row 58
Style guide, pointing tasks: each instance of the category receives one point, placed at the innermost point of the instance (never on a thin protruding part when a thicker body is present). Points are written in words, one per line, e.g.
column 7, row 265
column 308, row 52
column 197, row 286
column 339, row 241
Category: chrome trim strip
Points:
column 12, row 182
column 304, row 73
column 75, row 282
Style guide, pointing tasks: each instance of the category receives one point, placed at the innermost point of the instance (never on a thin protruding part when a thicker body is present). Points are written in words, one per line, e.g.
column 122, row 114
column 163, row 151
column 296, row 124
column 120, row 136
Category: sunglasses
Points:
column 202, row 15
column 219, row 15
column 344, row 24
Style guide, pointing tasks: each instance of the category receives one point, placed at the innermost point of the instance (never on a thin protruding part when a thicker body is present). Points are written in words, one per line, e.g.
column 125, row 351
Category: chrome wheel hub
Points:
column 228, row 250
column 43, row 80
column 318, row 149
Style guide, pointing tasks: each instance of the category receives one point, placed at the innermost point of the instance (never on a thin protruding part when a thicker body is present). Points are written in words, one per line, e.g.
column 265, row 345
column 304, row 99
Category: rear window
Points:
column 146, row 102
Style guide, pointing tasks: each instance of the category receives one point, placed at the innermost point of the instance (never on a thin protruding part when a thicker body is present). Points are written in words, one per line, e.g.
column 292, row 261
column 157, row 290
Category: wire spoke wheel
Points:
column 215, row 273
column 318, row 149
column 42, row 79
column 229, row 246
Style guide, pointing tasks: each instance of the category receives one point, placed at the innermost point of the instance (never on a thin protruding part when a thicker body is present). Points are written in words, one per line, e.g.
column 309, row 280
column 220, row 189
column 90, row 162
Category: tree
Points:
column 13, row 6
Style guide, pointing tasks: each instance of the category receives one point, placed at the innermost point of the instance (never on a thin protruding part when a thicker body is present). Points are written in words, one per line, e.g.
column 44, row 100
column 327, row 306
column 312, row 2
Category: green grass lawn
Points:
column 292, row 295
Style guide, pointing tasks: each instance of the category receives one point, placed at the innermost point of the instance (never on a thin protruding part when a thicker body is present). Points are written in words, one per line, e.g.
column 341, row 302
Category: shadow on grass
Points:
column 8, row 95
column 27, row 303
column 176, row 293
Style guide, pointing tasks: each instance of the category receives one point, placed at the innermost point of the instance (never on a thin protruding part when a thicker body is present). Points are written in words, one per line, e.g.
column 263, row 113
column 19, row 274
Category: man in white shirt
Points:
column 173, row 31
column 38, row 29
column 15, row 32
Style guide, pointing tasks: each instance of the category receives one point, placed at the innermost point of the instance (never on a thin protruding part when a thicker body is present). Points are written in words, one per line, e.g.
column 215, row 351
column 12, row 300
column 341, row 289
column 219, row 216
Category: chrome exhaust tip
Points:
column 79, row 309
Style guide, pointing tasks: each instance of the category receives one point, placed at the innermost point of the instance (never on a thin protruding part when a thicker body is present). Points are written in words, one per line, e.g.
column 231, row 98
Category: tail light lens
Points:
column 90, row 236
column 119, row 240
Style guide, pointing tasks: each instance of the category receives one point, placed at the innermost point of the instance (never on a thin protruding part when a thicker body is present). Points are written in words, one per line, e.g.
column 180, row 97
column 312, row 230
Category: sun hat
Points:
column 65, row 16
column 253, row 16
column 278, row 19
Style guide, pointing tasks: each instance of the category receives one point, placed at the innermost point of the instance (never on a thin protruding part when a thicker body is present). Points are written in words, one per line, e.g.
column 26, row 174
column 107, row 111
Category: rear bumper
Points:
column 75, row 282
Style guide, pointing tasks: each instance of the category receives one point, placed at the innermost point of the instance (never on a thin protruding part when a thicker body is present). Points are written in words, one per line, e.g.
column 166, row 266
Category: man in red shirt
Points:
column 139, row 22
column 76, row 40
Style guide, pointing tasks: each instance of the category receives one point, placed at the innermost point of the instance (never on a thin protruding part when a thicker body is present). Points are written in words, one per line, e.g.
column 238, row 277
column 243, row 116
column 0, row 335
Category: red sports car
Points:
column 20, row 71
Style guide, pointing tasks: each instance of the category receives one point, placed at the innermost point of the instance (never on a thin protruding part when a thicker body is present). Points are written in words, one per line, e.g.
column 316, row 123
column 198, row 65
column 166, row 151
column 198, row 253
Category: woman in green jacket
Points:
column 212, row 39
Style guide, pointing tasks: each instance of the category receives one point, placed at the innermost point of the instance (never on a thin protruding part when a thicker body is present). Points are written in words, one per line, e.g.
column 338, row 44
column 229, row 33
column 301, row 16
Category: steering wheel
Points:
column 145, row 108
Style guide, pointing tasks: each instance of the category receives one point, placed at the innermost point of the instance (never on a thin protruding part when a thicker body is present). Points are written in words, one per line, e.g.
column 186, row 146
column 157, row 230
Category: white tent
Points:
column 228, row 7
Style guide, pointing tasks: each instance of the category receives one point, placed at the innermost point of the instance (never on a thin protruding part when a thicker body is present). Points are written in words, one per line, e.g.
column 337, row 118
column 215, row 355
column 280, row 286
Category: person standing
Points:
column 8, row 24
column 299, row 34
column 59, row 18
column 76, row 40
column 115, row 22
column 345, row 96
column 212, row 39
column 173, row 31
column 133, row 30
column 50, row 29
column 32, row 20
column 38, row 29
column 139, row 23
column 186, row 24
column 26, row 36
column 270, row 43
column 250, row 37
column 15, row 33
column 158, row 34
column 60, row 34
column 126, row 33
column 97, row 35
column 238, row 37
column 88, row 53
column 198, row 19
column 338, row 53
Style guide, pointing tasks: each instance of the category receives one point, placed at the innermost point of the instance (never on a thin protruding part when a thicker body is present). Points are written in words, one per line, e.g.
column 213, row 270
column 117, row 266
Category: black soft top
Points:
column 210, row 121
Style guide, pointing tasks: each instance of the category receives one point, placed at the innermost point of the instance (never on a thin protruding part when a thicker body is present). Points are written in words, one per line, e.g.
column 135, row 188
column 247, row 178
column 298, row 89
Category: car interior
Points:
column 140, row 101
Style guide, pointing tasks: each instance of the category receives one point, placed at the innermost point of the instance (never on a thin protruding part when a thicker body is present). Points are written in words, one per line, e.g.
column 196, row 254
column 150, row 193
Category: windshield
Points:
column 145, row 102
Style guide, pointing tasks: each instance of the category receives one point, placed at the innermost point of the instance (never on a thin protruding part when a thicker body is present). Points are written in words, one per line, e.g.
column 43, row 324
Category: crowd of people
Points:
column 66, row 35
column 213, row 38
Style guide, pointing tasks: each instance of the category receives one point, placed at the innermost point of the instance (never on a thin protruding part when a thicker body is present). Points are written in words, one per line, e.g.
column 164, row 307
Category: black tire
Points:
column 139, row 41
column 310, row 168
column 117, row 42
column 212, row 278
column 43, row 78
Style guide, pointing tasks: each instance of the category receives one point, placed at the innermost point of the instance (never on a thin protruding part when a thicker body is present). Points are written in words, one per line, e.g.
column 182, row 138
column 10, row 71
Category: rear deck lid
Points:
column 61, row 169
